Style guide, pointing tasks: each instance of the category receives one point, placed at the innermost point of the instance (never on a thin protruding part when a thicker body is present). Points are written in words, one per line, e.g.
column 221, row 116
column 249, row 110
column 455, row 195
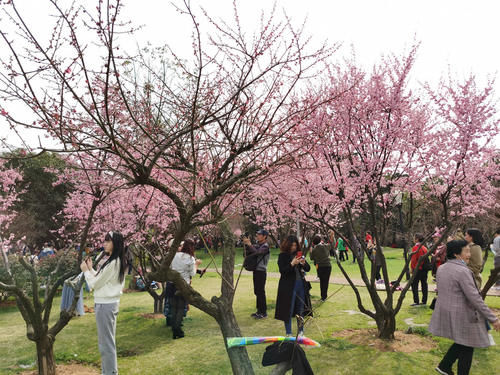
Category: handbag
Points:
column 308, row 311
column 433, row 303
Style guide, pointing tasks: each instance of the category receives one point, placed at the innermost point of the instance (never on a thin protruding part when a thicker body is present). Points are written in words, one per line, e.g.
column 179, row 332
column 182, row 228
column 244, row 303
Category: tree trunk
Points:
column 45, row 355
column 386, row 325
column 485, row 258
column 132, row 283
column 90, row 218
column 158, row 299
column 405, row 253
column 240, row 362
column 158, row 304
column 494, row 276
column 238, row 356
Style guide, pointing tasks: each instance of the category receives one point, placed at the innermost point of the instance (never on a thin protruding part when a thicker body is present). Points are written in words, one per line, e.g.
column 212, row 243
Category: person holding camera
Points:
column 107, row 283
column 293, row 296
column 261, row 252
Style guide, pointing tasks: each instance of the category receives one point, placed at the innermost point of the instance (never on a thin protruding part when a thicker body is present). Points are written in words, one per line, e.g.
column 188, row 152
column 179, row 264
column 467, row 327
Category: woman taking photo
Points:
column 460, row 313
column 107, row 283
column 293, row 296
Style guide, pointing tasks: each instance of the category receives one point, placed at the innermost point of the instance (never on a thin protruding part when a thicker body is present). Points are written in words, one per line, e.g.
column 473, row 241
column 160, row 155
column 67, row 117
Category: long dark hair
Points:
column 118, row 252
column 286, row 246
column 188, row 247
column 477, row 236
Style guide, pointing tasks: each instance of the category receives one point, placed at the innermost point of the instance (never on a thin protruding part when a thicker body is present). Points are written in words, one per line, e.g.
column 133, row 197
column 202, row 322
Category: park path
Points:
column 340, row 280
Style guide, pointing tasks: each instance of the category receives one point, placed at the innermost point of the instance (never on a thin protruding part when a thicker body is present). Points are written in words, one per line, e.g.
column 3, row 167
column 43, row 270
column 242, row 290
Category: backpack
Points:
column 426, row 264
column 251, row 261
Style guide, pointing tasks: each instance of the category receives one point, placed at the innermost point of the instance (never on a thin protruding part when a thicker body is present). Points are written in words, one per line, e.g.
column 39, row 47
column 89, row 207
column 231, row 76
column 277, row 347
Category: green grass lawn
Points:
column 145, row 346
column 394, row 259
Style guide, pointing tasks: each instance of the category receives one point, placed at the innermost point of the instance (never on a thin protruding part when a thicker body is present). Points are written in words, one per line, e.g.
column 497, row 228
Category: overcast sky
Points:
column 460, row 35
column 464, row 35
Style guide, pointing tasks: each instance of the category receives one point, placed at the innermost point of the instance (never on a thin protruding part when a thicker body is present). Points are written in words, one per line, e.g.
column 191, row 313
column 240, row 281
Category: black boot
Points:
column 177, row 333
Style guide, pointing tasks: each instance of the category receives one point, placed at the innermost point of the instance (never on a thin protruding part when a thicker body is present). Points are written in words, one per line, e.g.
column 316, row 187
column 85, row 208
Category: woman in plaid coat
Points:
column 460, row 313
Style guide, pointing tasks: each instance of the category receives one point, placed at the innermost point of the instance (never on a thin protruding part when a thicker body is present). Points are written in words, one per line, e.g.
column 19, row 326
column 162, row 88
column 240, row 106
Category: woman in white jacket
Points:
column 186, row 264
column 107, row 283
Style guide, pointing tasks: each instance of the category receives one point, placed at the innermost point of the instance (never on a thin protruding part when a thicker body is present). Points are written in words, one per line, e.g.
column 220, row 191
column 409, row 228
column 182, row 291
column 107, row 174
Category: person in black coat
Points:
column 293, row 295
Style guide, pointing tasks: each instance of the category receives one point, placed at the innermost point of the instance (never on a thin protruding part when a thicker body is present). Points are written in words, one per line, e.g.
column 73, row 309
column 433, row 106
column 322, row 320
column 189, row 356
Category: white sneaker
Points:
column 301, row 334
column 442, row 372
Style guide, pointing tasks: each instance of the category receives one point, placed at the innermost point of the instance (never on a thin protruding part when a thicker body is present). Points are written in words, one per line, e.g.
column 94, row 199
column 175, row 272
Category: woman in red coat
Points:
column 293, row 295
column 418, row 251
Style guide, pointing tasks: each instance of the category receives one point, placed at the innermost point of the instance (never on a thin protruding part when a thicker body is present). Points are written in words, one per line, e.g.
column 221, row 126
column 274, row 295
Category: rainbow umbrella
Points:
column 242, row 341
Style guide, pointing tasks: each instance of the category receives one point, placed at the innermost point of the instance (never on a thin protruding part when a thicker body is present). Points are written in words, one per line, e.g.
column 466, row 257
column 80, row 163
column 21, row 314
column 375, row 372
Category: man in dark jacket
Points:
column 320, row 254
column 261, row 250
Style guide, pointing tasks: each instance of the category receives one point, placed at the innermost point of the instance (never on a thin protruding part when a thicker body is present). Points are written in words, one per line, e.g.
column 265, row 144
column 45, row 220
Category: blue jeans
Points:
column 297, row 305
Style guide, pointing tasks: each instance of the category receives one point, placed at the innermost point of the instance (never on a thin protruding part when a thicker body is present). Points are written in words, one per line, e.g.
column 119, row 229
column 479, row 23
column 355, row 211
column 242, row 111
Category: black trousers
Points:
column 177, row 306
column 343, row 255
column 421, row 277
column 462, row 353
column 259, row 289
column 324, row 278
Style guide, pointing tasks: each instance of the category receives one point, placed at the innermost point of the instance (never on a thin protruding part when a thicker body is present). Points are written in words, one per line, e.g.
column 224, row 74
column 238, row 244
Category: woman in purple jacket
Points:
column 460, row 314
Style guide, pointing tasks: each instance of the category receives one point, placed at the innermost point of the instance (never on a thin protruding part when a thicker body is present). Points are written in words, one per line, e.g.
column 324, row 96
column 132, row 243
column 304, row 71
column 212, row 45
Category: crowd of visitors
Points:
column 460, row 313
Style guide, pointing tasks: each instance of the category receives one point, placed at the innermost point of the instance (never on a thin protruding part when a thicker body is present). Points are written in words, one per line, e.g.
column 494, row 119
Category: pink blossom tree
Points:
column 464, row 178
column 8, row 195
column 198, row 131
column 364, row 154
column 462, row 149
column 22, row 278
column 92, row 186
column 140, row 213
column 380, row 142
